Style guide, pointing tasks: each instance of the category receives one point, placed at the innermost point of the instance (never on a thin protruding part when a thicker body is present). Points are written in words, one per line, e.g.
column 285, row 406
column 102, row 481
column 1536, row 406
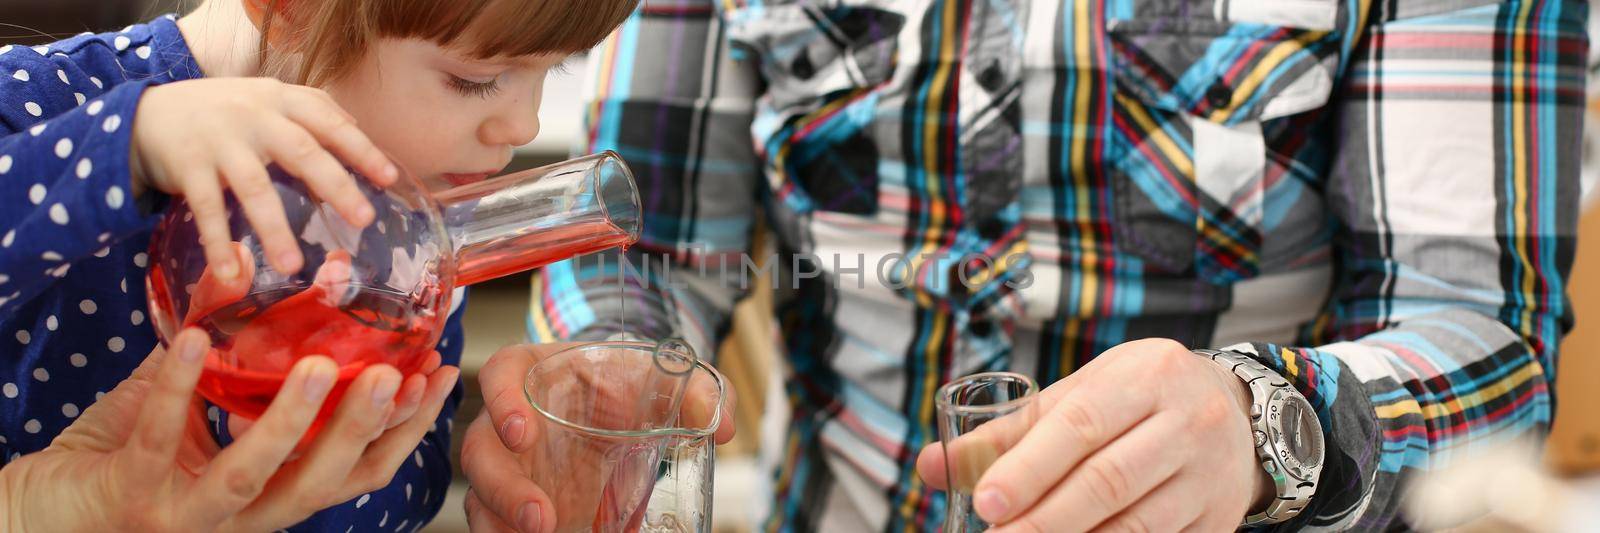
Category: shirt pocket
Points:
column 823, row 64
column 1189, row 100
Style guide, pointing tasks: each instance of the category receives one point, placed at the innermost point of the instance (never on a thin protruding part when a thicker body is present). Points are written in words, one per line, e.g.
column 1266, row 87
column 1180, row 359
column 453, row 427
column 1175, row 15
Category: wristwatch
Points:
column 1287, row 436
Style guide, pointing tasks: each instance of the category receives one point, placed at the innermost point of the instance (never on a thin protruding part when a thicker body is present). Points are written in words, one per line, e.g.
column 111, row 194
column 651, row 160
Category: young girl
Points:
column 98, row 132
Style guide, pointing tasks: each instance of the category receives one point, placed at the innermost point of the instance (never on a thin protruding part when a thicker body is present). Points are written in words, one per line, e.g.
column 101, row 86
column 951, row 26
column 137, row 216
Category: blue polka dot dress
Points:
column 73, row 317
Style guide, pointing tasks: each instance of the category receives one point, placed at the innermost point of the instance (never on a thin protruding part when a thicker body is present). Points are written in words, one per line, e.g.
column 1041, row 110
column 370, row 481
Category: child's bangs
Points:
column 505, row 28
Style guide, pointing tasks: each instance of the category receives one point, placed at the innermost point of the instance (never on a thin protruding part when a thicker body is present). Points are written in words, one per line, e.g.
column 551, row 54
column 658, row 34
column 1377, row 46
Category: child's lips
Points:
column 458, row 180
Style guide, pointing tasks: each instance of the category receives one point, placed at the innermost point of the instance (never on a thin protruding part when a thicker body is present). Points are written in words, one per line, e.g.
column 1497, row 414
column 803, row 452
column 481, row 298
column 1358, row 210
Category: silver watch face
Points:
column 1296, row 435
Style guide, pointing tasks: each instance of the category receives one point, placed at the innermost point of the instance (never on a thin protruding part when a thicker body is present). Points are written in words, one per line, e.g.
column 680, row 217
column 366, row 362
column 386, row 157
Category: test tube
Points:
column 964, row 405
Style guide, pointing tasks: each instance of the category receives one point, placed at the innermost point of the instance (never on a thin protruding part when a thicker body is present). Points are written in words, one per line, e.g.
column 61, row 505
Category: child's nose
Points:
column 514, row 128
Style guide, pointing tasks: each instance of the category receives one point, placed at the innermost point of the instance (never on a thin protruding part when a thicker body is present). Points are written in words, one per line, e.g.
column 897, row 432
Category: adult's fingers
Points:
column 931, row 468
column 1172, row 506
column 165, row 410
column 238, row 474
column 974, row 451
column 707, row 393
column 412, row 390
column 480, row 519
column 313, row 481
column 1111, row 480
column 502, row 484
column 385, row 455
column 1086, row 416
column 501, row 381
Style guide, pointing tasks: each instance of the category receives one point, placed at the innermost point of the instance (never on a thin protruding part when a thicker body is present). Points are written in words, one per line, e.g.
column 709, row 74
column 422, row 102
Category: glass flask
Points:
column 379, row 293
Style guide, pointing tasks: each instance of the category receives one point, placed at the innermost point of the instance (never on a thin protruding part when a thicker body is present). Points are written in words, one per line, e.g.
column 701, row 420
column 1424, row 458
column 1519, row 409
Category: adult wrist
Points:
column 1262, row 486
column 1286, row 435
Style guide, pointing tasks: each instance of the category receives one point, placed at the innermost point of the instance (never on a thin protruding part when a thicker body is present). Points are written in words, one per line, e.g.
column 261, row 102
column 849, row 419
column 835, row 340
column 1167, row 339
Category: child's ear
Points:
column 275, row 20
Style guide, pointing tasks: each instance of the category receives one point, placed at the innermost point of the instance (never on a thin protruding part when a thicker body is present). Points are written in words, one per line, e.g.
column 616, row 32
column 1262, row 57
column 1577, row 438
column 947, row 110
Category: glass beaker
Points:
column 624, row 436
column 964, row 405
column 379, row 293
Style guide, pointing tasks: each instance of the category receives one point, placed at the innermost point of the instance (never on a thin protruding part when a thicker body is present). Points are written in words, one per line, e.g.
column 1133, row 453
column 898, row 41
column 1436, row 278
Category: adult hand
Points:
column 141, row 458
column 1146, row 437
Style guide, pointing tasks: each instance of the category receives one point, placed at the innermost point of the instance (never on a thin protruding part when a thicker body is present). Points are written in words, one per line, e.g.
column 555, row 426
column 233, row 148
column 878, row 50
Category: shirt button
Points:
column 1219, row 95
column 991, row 76
column 802, row 67
column 981, row 328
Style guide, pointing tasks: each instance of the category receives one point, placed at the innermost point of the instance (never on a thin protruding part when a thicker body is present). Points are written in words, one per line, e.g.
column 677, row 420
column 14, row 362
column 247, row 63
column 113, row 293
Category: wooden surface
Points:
column 747, row 357
column 1574, row 445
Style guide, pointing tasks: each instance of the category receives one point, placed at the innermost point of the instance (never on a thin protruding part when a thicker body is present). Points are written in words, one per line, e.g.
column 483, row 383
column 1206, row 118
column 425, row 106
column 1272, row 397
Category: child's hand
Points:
column 140, row 459
column 193, row 138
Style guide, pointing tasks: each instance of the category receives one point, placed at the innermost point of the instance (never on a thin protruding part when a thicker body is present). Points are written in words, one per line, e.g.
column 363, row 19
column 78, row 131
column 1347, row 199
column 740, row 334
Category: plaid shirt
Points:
column 1377, row 199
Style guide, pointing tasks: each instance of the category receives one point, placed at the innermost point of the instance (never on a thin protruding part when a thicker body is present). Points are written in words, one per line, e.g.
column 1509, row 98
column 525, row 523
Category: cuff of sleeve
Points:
column 109, row 178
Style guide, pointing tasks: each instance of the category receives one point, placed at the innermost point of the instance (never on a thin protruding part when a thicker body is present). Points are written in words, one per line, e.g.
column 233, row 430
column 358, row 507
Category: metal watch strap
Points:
column 1267, row 387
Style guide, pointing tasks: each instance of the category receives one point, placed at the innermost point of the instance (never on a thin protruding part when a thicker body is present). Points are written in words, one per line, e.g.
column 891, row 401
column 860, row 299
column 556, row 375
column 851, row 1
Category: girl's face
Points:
column 445, row 116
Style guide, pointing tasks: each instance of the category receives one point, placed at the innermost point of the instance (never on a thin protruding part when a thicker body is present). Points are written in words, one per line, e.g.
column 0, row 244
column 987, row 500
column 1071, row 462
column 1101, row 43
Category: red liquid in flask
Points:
column 257, row 339
column 535, row 249
column 261, row 344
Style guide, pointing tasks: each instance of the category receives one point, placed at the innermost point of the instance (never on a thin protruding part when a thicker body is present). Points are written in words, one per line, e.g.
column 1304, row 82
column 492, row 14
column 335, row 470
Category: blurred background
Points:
column 1549, row 493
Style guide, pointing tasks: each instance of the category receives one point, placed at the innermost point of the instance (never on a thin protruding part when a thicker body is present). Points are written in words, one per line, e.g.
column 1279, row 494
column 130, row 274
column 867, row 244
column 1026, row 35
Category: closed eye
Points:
column 474, row 88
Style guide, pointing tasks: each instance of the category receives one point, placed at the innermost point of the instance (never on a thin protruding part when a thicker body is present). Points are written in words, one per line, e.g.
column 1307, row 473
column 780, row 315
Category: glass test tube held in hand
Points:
column 963, row 406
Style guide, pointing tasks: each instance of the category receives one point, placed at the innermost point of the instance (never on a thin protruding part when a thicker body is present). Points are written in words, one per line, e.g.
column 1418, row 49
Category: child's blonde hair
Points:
column 335, row 34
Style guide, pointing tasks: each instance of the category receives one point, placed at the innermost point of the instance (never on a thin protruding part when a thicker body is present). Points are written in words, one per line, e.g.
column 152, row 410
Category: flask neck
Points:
column 528, row 219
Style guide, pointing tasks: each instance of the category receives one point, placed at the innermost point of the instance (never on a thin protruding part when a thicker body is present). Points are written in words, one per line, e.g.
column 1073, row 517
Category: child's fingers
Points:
column 204, row 195
column 313, row 482
column 165, row 409
column 298, row 152
column 297, row 94
column 238, row 474
column 214, row 291
column 335, row 129
column 384, row 457
column 262, row 205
